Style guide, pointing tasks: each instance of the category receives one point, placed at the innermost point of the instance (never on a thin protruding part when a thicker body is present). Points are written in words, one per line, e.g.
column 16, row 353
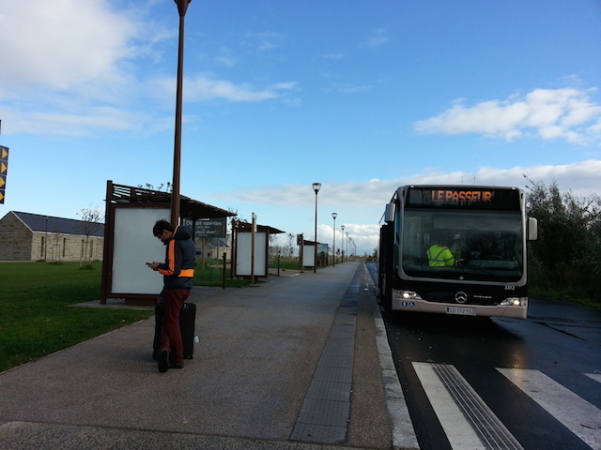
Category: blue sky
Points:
column 360, row 95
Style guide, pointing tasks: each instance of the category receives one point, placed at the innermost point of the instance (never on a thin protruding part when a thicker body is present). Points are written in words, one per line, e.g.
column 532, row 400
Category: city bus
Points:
column 456, row 250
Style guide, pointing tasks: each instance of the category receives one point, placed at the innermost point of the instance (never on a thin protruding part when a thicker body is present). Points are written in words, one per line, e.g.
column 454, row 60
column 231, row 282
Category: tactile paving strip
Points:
column 324, row 416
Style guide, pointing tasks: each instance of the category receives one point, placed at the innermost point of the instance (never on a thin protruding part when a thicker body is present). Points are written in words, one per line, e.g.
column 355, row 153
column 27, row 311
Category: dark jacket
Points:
column 180, row 259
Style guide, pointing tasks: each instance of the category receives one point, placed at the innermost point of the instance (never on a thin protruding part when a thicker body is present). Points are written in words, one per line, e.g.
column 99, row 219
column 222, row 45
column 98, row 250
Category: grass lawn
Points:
column 35, row 313
column 212, row 275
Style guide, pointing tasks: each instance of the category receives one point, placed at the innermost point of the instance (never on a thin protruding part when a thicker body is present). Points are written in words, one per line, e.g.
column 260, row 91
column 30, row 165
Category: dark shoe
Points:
column 175, row 365
column 163, row 360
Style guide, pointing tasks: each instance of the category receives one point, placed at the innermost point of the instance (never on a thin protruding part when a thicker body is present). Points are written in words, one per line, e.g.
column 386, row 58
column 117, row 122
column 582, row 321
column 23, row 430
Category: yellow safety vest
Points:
column 440, row 256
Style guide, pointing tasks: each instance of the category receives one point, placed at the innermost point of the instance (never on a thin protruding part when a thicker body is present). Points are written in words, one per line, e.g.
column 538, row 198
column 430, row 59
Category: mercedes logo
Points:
column 461, row 297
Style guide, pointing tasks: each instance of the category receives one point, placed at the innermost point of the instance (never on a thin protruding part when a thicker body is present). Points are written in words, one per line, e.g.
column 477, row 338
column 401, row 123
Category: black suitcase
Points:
column 187, row 319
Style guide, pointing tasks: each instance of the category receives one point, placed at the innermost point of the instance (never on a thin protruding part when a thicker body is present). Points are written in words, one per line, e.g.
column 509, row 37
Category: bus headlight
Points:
column 515, row 301
column 407, row 295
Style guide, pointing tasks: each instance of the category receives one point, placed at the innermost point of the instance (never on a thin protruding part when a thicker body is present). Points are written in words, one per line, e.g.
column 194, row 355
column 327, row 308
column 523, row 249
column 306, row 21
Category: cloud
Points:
column 345, row 88
column 72, row 65
column 332, row 56
column 361, row 239
column 355, row 193
column 75, row 68
column 202, row 88
column 568, row 114
column 226, row 60
column 377, row 38
column 63, row 44
column 264, row 41
column 74, row 124
column 360, row 204
column 582, row 178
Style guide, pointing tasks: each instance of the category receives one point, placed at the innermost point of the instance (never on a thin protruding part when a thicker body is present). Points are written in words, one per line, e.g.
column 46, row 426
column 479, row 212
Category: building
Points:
column 214, row 248
column 34, row 237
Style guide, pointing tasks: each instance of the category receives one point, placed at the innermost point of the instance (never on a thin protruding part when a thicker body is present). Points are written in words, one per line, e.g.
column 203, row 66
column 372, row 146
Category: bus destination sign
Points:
column 505, row 199
column 457, row 196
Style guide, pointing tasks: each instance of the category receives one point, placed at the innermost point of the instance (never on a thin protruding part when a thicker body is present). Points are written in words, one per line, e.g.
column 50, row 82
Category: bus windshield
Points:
column 463, row 245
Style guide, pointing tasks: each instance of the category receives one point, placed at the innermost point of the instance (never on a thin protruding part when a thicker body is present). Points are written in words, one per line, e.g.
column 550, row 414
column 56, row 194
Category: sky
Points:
column 361, row 96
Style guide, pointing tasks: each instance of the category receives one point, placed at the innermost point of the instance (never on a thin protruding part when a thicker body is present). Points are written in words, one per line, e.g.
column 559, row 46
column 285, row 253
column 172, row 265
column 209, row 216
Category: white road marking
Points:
column 463, row 415
column 579, row 416
column 594, row 376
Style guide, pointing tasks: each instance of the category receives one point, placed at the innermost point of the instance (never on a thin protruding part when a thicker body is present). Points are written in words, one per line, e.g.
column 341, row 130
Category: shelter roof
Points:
column 189, row 208
column 247, row 226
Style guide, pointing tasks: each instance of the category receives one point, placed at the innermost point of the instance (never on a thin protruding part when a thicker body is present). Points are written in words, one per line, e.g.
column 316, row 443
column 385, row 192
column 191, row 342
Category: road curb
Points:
column 403, row 433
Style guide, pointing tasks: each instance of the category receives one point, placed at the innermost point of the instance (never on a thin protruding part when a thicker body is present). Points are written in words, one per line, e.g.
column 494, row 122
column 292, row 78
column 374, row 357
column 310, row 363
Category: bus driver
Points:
column 439, row 255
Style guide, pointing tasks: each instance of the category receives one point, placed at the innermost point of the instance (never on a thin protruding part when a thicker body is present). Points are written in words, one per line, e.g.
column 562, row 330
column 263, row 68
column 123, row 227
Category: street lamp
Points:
column 334, row 215
column 348, row 247
column 316, row 188
column 182, row 7
column 342, row 245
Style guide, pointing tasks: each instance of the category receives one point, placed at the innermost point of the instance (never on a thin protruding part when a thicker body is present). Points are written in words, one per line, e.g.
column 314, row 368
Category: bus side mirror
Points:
column 532, row 229
column 389, row 213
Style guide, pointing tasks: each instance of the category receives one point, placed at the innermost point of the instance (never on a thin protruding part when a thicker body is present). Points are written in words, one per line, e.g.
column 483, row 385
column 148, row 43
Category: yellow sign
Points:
column 3, row 170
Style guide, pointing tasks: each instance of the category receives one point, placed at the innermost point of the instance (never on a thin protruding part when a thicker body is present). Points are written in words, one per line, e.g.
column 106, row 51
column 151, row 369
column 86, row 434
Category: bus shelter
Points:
column 307, row 253
column 250, row 260
column 129, row 244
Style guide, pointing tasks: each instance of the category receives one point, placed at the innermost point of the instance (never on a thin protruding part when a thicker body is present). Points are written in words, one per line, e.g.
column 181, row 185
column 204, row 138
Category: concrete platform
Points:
column 299, row 362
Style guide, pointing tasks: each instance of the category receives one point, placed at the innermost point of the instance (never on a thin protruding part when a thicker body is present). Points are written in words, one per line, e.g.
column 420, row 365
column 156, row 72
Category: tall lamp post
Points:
column 316, row 188
column 182, row 7
column 348, row 247
column 342, row 245
column 334, row 215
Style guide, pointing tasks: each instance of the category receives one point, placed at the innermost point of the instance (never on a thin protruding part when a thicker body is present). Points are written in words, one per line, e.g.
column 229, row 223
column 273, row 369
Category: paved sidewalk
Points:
column 294, row 363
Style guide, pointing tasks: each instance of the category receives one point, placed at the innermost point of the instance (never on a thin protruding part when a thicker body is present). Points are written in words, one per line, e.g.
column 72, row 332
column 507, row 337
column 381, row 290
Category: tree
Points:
column 290, row 244
column 160, row 187
column 566, row 256
column 91, row 221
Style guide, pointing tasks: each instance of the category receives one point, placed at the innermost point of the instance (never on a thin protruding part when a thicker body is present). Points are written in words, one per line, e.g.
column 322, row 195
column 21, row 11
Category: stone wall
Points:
column 19, row 243
column 15, row 240
column 66, row 247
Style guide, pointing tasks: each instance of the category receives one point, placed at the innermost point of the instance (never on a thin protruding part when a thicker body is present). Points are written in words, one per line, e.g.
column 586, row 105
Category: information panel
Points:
column 308, row 255
column 211, row 228
column 134, row 246
column 244, row 252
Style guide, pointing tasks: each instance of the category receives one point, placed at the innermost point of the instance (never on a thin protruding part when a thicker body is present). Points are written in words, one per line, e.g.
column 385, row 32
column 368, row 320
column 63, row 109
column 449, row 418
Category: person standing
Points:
column 178, row 277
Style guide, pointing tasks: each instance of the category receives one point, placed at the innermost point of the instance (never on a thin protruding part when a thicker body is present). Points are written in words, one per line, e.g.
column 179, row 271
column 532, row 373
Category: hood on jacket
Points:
column 182, row 233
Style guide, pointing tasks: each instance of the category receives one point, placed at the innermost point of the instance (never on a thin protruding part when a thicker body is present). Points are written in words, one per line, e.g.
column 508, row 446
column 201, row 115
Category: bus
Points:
column 456, row 250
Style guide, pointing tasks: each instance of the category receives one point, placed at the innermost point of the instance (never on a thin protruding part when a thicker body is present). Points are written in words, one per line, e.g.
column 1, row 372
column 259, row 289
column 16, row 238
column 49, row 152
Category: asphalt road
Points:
column 502, row 383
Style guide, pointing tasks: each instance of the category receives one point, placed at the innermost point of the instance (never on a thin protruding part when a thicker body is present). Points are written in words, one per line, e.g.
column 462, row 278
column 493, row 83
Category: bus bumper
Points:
column 424, row 306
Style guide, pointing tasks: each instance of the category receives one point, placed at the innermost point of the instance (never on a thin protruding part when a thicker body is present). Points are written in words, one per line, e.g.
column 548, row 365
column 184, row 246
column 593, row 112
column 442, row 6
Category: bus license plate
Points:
column 461, row 311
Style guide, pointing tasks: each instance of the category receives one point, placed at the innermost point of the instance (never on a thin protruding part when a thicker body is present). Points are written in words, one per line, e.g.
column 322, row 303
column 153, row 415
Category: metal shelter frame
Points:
column 121, row 196
column 246, row 227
